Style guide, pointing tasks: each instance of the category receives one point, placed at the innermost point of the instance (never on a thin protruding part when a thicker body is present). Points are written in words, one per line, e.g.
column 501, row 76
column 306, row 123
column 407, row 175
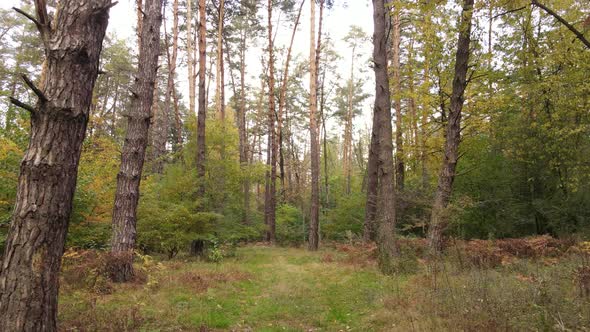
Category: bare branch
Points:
column 35, row 89
column 578, row 34
column 27, row 15
column 508, row 12
column 22, row 105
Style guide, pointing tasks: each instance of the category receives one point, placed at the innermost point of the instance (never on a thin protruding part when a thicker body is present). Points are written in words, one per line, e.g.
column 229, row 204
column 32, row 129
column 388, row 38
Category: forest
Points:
column 293, row 165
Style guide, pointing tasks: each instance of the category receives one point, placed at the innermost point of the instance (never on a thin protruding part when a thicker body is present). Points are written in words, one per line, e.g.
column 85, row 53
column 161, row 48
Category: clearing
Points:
column 266, row 288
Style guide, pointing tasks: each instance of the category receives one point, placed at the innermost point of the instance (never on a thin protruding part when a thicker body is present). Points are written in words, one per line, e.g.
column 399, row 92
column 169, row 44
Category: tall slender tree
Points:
column 133, row 154
column 282, row 100
column 202, row 115
column 442, row 197
column 270, row 194
column 190, row 51
column 385, row 213
column 72, row 41
column 397, row 95
column 314, row 220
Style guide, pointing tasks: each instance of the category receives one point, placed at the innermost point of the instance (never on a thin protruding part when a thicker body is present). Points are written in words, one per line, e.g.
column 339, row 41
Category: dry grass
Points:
column 513, row 285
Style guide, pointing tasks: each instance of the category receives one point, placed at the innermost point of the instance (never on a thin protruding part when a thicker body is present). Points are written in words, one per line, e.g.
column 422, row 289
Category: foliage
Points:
column 290, row 229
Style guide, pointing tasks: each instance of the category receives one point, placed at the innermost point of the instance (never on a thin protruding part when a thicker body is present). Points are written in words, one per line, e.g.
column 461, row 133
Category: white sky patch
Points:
column 336, row 24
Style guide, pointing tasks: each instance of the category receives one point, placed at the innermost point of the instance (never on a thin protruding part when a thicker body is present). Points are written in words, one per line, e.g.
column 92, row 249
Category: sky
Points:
column 337, row 22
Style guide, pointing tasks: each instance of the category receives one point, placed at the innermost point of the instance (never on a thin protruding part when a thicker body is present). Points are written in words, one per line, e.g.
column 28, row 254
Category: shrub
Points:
column 171, row 229
column 289, row 225
column 89, row 235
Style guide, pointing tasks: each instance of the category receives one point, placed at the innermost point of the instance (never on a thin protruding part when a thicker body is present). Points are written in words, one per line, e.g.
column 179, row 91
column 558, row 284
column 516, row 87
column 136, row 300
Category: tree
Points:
column 202, row 116
column 270, row 193
column 161, row 119
column 72, row 42
column 132, row 156
column 282, row 99
column 442, row 197
column 314, row 220
column 190, row 51
column 355, row 38
column 397, row 98
column 385, row 212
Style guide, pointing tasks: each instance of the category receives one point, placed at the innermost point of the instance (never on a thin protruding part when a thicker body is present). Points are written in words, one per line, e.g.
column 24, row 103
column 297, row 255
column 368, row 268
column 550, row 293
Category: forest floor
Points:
column 264, row 288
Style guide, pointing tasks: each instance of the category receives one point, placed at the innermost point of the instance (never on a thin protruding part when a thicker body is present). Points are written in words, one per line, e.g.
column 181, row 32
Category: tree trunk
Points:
column 162, row 121
column 220, row 79
column 442, row 197
column 242, row 128
column 29, row 279
column 282, row 101
column 369, row 230
column 270, row 195
column 397, row 101
column 385, row 214
column 314, row 221
column 202, row 115
column 425, row 90
column 132, row 156
column 189, row 54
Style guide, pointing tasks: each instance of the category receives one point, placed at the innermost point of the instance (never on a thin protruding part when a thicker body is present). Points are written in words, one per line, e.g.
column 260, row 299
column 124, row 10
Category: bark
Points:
column 29, row 269
column 385, row 214
column 397, row 100
column 202, row 115
column 314, row 221
column 439, row 217
column 270, row 194
column 372, row 183
column 133, row 153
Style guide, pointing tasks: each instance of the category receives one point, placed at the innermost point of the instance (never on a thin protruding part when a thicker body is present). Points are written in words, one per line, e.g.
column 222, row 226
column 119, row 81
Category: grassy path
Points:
column 287, row 289
column 262, row 289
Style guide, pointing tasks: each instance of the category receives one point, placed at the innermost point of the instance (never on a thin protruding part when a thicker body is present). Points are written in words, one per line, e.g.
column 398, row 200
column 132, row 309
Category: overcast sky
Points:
column 337, row 22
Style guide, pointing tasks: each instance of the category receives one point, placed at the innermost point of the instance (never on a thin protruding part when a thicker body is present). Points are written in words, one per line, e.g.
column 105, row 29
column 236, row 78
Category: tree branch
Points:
column 576, row 32
column 35, row 89
column 508, row 12
column 22, row 105
column 27, row 15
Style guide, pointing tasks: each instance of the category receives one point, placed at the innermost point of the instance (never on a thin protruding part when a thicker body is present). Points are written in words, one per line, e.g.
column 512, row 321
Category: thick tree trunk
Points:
column 132, row 156
column 270, row 195
column 385, row 216
column 202, row 115
column 314, row 220
column 29, row 269
column 397, row 99
column 442, row 197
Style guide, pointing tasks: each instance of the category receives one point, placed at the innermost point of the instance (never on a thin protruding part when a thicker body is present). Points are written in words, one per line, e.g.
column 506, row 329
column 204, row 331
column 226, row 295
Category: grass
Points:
column 288, row 289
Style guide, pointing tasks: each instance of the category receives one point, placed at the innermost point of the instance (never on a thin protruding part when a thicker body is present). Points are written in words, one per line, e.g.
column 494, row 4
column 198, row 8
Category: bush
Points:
column 289, row 225
column 89, row 235
column 348, row 216
column 170, row 228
